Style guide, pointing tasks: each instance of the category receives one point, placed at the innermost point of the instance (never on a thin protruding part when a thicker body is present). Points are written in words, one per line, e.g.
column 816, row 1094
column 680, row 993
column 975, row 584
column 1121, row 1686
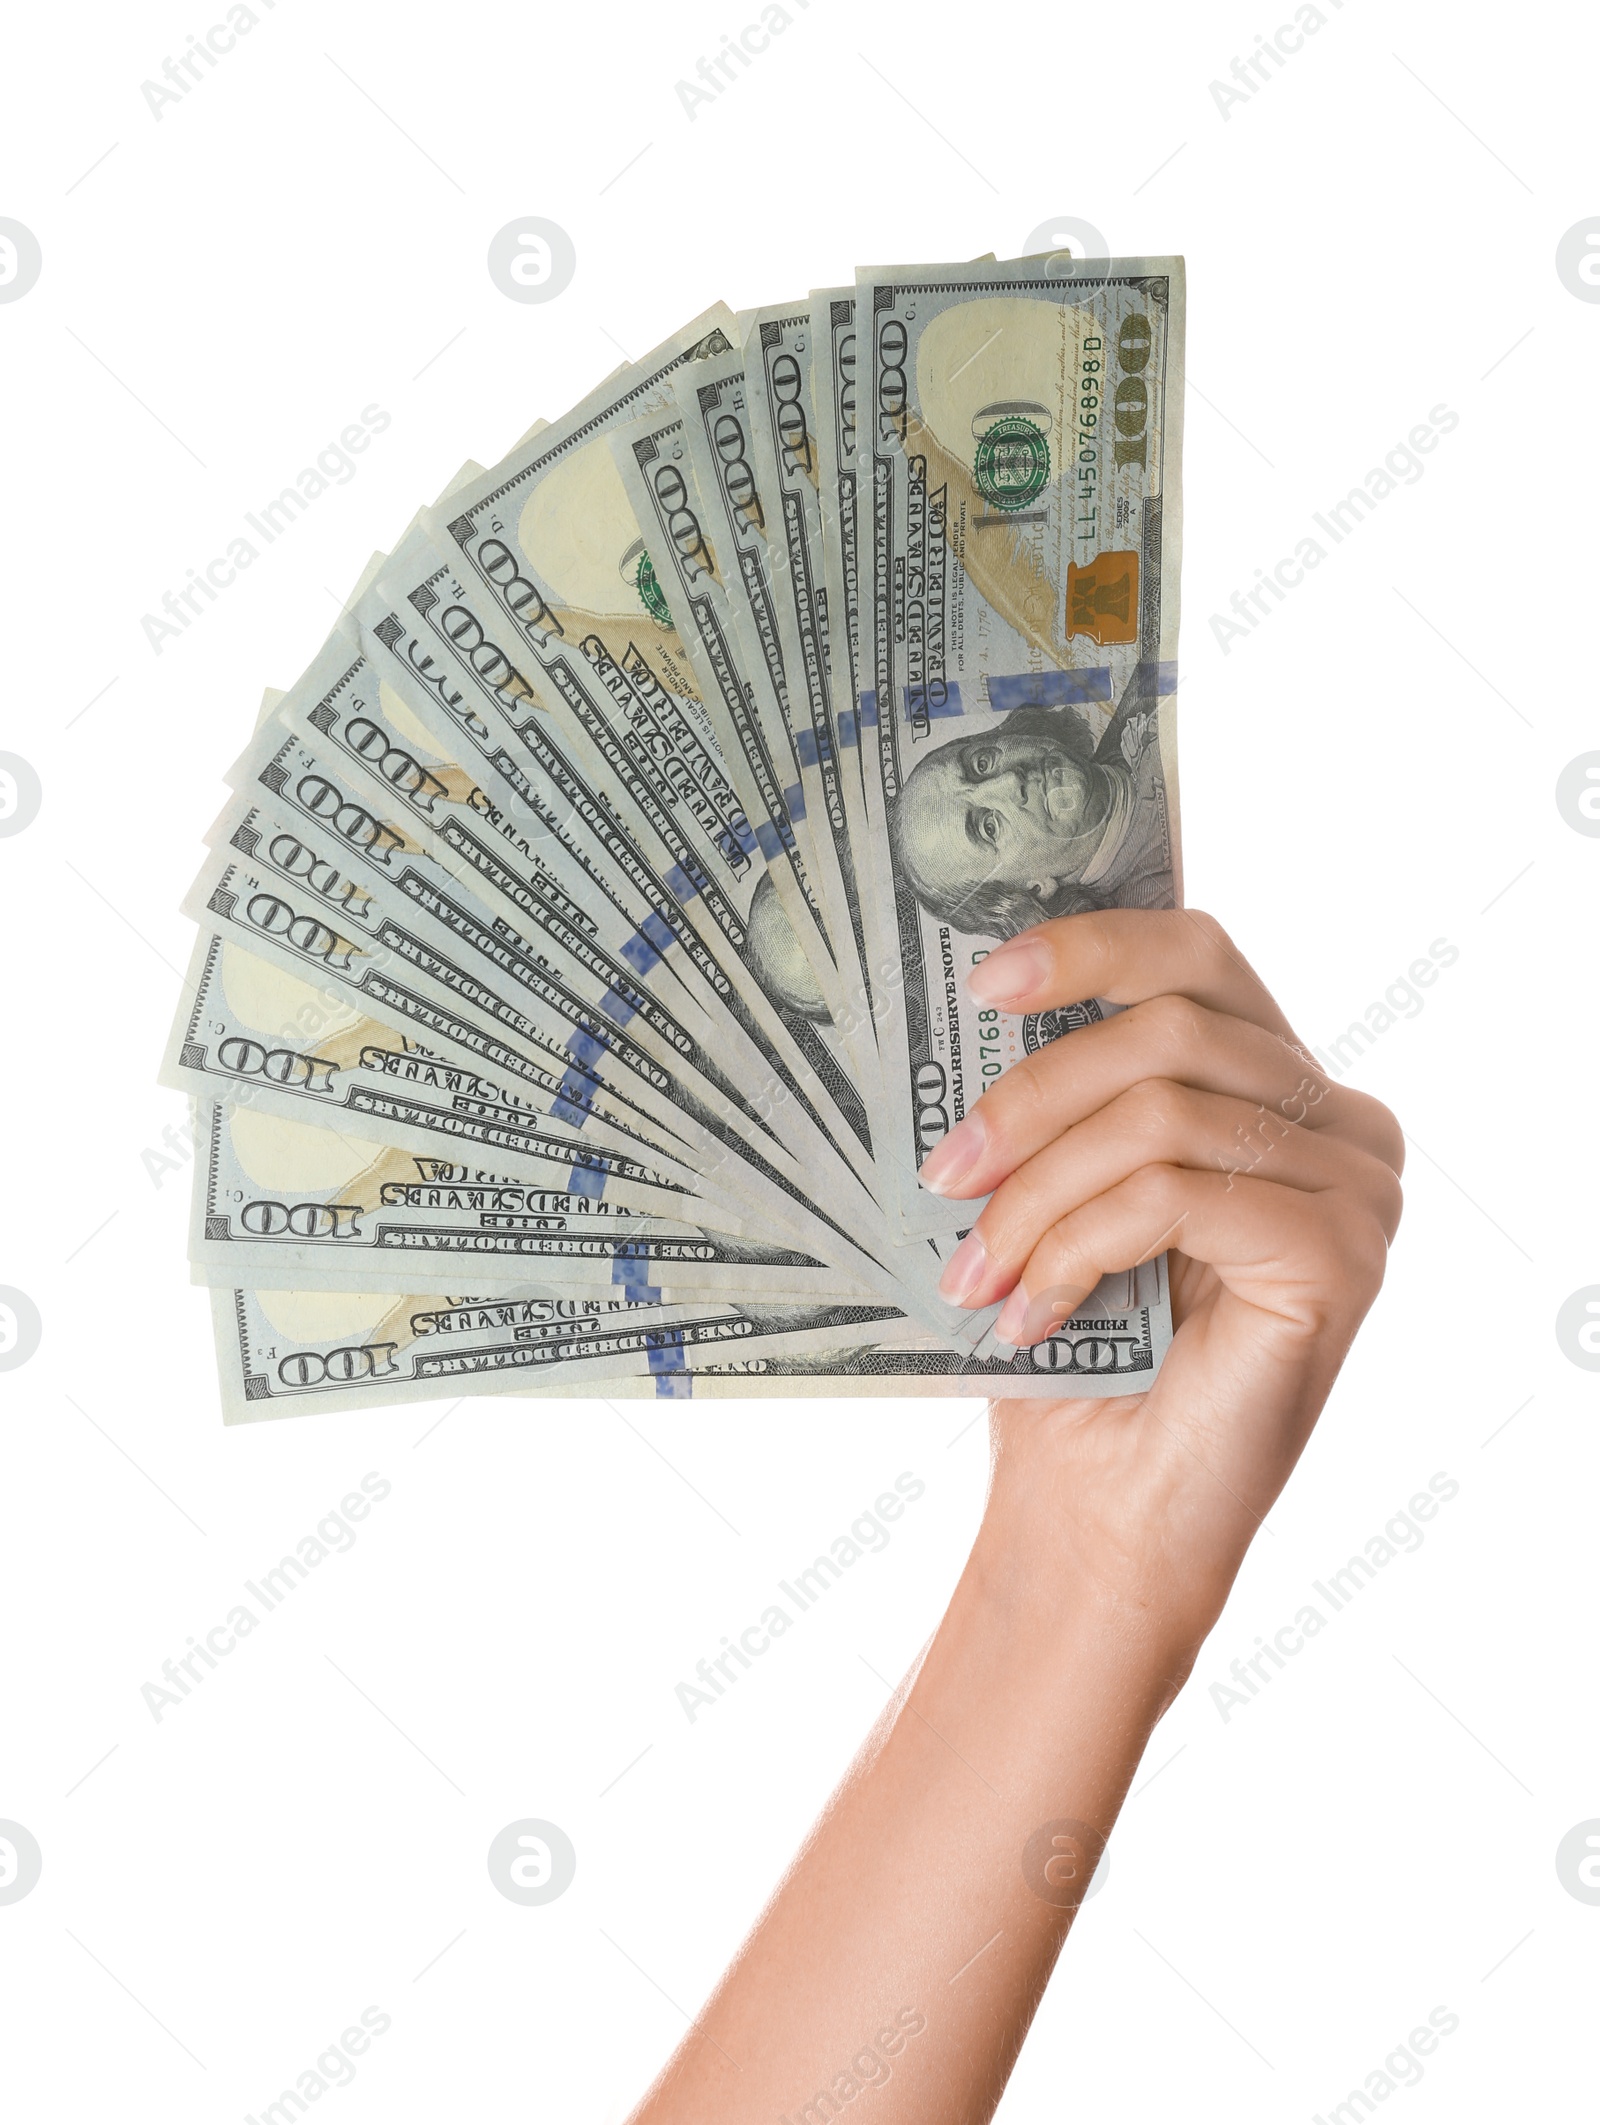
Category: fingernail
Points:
column 1014, row 969
column 1013, row 1317
column 953, row 1159
column 964, row 1271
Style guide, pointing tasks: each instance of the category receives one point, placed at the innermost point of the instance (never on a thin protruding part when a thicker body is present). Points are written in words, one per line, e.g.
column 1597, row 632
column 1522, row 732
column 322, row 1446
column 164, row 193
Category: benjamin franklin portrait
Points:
column 1033, row 818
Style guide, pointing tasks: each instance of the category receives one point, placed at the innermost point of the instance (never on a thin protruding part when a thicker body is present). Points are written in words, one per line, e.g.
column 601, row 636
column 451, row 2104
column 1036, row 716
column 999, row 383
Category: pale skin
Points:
column 1113, row 1530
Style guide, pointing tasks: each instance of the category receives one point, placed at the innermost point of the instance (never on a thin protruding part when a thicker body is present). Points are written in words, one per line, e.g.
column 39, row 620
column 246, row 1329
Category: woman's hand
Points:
column 1192, row 1122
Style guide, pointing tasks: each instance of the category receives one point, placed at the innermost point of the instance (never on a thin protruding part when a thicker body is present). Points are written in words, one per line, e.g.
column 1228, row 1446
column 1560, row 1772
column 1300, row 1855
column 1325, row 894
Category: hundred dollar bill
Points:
column 279, row 1202
column 1098, row 1353
column 832, row 376
column 737, row 639
column 283, row 1353
column 710, row 397
column 833, row 381
column 784, row 416
column 1018, row 468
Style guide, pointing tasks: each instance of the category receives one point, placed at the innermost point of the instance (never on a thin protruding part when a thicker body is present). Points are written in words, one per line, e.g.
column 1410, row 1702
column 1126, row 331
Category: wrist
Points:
column 1045, row 1591
column 1140, row 1577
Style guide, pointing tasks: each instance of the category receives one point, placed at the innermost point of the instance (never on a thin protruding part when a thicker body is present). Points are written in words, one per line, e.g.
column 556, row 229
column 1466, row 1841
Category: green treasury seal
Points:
column 650, row 597
column 1013, row 462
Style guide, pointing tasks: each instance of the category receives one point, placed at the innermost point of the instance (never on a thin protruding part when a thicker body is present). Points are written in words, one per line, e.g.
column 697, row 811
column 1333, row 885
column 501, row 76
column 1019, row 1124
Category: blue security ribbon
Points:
column 665, row 1353
column 1050, row 689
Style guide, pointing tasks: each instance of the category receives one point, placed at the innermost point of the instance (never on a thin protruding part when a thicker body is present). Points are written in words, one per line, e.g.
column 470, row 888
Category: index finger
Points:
column 1127, row 955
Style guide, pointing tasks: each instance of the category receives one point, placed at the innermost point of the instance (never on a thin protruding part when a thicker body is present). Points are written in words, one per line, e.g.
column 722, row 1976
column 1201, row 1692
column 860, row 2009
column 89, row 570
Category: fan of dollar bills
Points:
column 588, row 927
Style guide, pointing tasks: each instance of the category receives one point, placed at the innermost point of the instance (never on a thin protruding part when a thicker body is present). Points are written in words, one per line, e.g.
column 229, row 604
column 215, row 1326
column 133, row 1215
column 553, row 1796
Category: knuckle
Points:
column 1313, row 1088
column 1390, row 1138
column 1155, row 1108
column 1376, row 1127
column 1364, row 1254
column 1213, row 939
column 1177, row 1024
column 1013, row 1218
column 1154, row 1191
column 1029, row 1098
column 1388, row 1198
column 1370, row 1186
column 1057, row 1254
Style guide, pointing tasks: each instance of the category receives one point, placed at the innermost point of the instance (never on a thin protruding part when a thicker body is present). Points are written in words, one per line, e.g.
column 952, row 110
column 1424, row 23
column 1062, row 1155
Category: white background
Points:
column 230, row 284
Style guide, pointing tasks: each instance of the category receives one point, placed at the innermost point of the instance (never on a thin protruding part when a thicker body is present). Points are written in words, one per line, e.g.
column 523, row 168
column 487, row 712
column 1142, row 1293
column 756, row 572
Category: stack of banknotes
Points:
column 581, row 976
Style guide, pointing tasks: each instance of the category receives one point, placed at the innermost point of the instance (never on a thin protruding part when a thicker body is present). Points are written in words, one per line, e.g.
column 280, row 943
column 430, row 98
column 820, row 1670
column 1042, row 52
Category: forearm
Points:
column 909, row 1912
